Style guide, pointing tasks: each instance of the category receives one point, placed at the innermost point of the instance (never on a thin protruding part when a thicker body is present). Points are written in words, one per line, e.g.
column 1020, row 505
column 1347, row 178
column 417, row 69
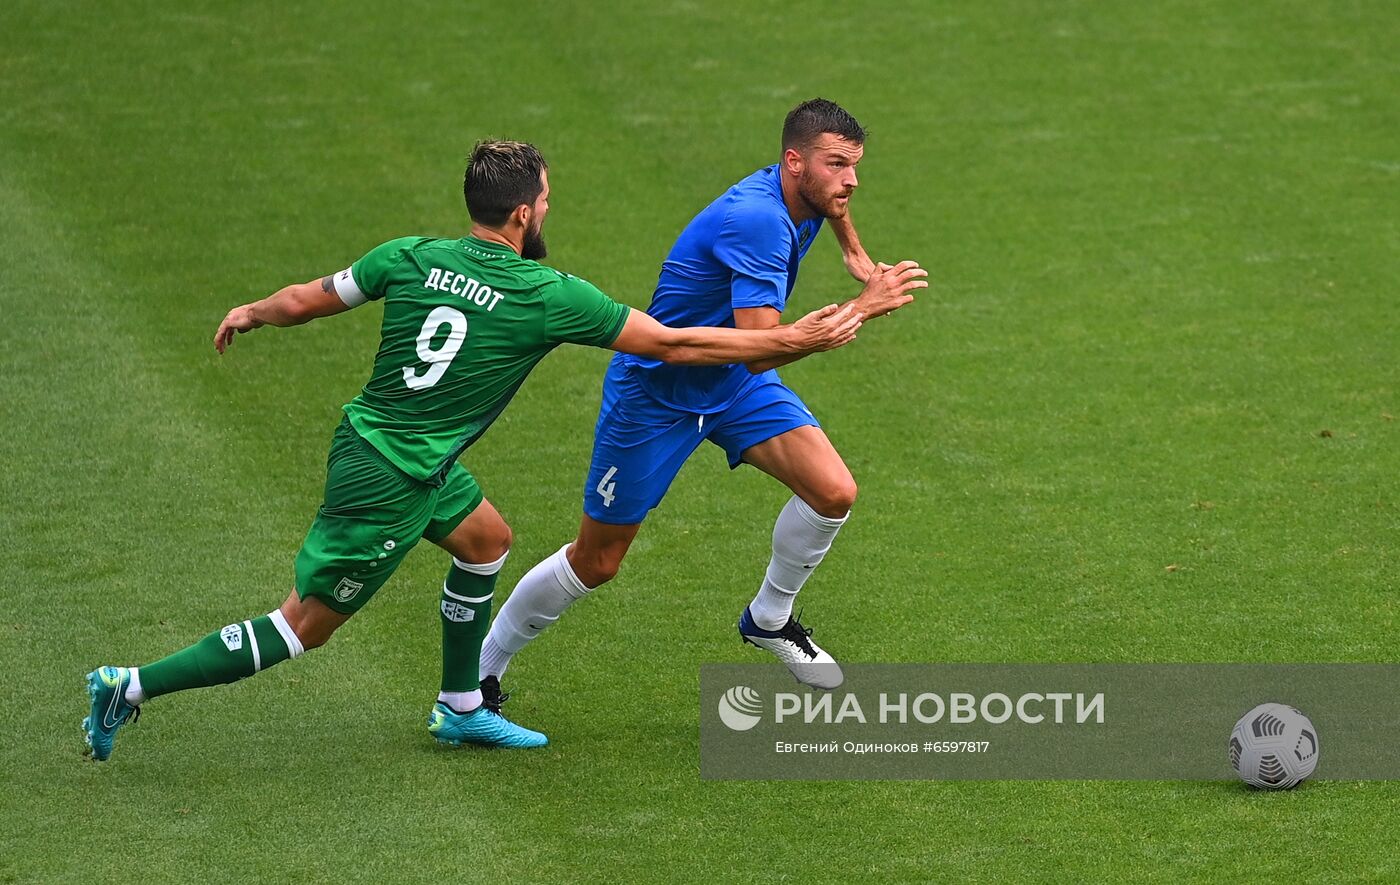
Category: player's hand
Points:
column 859, row 265
column 239, row 320
column 890, row 288
column 827, row 328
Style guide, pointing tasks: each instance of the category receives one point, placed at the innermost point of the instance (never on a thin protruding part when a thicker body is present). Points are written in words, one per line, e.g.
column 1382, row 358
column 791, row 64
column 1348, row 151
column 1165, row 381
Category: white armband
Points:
column 348, row 289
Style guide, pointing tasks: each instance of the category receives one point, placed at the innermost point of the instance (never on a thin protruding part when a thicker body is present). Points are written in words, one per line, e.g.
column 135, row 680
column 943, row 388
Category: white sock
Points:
column 461, row 701
column 134, row 695
column 535, row 603
column 801, row 537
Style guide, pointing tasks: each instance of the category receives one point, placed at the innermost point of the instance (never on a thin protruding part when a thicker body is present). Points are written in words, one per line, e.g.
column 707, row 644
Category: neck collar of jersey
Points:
column 480, row 246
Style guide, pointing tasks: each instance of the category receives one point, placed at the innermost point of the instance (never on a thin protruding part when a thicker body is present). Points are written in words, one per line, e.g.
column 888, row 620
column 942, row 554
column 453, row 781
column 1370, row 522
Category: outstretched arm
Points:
column 823, row 329
column 887, row 290
column 288, row 306
column 858, row 263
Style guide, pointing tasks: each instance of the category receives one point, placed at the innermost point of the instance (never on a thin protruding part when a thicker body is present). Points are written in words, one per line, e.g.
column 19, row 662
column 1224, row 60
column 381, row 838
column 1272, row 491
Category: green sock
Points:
column 466, row 616
column 232, row 653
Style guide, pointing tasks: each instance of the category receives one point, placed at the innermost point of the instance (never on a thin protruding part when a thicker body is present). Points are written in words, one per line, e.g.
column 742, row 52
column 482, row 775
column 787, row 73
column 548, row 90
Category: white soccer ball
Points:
column 1274, row 747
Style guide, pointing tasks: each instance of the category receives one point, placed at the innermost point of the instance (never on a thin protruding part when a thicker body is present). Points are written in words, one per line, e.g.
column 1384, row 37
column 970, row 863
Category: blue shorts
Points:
column 640, row 444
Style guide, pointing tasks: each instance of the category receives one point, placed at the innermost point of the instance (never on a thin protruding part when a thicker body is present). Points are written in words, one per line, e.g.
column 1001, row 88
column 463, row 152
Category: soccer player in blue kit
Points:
column 734, row 265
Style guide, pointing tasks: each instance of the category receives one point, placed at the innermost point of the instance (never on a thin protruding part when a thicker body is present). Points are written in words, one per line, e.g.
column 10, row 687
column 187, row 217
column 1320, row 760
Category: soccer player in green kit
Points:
column 465, row 321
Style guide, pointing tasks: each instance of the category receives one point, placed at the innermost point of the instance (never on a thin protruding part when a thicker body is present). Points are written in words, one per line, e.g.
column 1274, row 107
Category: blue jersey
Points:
column 741, row 251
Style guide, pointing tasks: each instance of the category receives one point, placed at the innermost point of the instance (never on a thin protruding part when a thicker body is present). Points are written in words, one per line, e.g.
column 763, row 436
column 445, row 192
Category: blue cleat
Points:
column 483, row 727
column 110, row 711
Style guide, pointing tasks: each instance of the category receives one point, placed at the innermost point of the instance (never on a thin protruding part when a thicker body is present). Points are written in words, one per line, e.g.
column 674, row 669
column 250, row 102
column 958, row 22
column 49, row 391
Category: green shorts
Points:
column 374, row 513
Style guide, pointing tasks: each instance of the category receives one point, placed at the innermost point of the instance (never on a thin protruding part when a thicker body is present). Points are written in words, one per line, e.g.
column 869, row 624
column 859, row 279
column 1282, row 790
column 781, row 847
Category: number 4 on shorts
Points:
column 605, row 487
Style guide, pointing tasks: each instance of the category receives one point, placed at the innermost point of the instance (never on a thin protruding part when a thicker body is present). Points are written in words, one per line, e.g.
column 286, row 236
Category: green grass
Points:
column 1163, row 240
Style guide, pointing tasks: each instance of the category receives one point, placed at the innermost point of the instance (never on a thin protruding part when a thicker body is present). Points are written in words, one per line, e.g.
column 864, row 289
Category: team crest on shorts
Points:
column 346, row 590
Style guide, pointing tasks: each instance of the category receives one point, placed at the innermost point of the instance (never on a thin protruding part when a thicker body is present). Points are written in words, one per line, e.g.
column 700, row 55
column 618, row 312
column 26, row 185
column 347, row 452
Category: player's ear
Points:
column 793, row 161
column 521, row 215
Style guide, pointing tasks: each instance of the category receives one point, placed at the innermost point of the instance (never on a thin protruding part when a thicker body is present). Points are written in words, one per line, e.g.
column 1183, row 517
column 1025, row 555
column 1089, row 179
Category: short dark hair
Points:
column 810, row 120
column 500, row 176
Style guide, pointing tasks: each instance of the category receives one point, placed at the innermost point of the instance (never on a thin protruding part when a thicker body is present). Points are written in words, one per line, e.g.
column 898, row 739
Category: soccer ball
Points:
column 1273, row 747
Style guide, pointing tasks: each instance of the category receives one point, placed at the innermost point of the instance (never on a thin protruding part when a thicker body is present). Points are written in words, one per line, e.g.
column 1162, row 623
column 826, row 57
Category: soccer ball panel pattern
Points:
column 1274, row 747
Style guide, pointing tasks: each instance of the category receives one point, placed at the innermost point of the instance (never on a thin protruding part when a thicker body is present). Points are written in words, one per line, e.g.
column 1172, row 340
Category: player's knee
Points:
column 595, row 573
column 313, row 621
column 498, row 544
column 834, row 500
column 312, row 631
column 595, row 568
column 312, row 638
column 488, row 543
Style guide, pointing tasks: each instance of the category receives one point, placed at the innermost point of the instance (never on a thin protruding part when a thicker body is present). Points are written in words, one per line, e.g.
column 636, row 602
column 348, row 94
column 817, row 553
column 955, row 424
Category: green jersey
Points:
column 464, row 322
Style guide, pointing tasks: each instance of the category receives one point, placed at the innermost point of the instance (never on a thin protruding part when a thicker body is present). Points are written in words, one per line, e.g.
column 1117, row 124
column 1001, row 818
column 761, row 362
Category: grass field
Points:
column 1146, row 412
